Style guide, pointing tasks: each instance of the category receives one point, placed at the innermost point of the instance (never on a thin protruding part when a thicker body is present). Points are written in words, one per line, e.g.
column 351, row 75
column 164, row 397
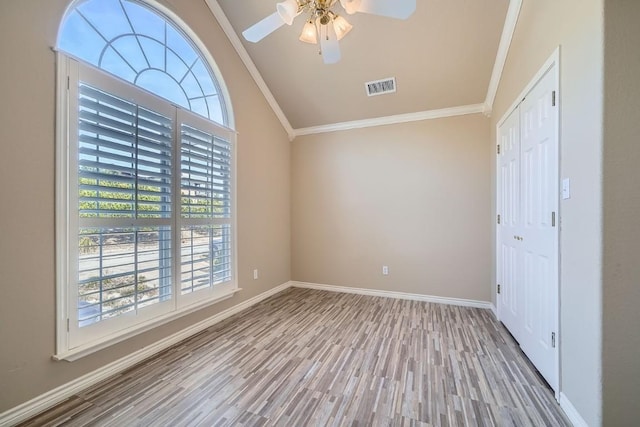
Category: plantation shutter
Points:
column 206, row 208
column 124, row 205
column 206, row 174
column 124, row 158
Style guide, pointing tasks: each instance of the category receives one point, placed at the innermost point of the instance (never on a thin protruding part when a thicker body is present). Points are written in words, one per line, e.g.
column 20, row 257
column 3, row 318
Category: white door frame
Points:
column 552, row 62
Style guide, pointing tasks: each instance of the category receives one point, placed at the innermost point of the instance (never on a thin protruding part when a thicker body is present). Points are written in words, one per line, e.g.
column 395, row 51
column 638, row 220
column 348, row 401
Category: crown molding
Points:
column 503, row 50
column 390, row 120
column 222, row 19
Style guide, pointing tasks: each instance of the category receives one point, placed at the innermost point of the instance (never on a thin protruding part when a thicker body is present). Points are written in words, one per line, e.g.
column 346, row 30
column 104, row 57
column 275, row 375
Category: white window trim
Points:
column 66, row 125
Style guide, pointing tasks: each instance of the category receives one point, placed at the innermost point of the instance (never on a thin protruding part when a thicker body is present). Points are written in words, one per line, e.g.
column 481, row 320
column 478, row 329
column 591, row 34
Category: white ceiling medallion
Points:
column 323, row 23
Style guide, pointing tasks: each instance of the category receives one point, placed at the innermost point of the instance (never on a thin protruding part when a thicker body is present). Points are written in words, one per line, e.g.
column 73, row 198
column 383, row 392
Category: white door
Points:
column 539, row 230
column 527, row 253
column 508, row 195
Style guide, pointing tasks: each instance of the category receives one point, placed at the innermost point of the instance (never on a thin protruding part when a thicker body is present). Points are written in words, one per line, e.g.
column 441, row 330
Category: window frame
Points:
column 67, row 345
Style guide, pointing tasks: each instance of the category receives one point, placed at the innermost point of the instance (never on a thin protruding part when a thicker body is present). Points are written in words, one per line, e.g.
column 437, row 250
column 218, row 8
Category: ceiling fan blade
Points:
column 399, row 9
column 329, row 44
column 262, row 29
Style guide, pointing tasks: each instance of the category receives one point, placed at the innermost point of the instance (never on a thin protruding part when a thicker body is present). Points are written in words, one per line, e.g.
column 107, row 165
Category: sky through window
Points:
column 138, row 44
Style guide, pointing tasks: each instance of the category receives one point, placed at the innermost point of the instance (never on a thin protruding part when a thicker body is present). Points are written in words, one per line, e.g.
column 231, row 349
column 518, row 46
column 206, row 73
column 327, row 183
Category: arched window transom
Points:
column 131, row 40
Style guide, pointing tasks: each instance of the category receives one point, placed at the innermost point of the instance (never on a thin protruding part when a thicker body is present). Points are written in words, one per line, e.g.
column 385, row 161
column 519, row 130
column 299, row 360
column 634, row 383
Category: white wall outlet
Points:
column 255, row 274
column 385, row 270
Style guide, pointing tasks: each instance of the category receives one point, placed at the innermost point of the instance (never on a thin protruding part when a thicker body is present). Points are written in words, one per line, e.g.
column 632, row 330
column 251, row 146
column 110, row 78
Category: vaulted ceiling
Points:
column 443, row 56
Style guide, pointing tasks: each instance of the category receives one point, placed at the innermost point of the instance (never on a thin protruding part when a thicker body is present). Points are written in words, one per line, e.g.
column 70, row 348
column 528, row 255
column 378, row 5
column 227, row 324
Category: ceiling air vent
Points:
column 380, row 87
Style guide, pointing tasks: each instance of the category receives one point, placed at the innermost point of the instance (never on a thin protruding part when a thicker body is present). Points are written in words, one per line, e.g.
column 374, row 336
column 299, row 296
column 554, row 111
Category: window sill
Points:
column 89, row 348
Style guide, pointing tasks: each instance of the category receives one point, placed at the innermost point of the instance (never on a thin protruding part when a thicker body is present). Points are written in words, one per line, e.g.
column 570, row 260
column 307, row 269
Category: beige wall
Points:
column 621, row 273
column 27, row 260
column 412, row 196
column 577, row 26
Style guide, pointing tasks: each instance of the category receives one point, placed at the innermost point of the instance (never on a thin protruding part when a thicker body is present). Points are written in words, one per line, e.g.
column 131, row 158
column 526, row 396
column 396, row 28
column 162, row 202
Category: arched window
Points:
column 137, row 43
column 145, row 174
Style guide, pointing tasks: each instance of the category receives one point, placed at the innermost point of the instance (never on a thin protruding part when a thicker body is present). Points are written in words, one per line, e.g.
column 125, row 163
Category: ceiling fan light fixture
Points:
column 341, row 26
column 288, row 10
column 309, row 33
column 323, row 25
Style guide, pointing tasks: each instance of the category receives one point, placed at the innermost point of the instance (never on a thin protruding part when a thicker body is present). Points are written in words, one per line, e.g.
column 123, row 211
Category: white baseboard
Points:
column 44, row 401
column 394, row 294
column 494, row 310
column 571, row 412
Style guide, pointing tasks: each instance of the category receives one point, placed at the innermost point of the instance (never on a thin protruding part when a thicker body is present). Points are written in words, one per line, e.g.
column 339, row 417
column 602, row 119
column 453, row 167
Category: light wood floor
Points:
column 318, row 358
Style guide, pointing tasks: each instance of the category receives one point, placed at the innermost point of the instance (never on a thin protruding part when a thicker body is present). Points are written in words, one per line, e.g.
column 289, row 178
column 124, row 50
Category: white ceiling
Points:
column 442, row 56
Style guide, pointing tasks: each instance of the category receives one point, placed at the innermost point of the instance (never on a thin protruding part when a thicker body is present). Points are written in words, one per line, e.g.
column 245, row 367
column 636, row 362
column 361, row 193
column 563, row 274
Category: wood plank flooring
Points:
column 316, row 358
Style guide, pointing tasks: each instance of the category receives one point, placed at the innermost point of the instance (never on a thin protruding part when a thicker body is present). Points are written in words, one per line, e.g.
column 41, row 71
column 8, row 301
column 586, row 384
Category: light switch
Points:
column 566, row 188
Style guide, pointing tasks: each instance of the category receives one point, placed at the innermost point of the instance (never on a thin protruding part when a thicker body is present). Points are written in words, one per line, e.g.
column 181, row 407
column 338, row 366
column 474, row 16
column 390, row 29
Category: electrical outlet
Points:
column 385, row 270
column 255, row 274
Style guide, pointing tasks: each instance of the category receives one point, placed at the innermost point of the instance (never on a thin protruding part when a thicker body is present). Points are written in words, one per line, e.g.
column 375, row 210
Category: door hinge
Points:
column 553, row 219
column 553, row 98
column 67, row 325
column 498, row 218
column 553, row 339
column 498, row 148
column 68, row 83
column 498, row 287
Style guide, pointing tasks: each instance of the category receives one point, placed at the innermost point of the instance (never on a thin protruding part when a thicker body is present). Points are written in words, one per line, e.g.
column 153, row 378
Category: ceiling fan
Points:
column 323, row 23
